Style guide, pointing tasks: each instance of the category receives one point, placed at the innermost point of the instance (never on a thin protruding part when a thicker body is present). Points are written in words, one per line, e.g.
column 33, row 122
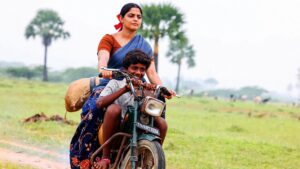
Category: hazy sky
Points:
column 246, row 42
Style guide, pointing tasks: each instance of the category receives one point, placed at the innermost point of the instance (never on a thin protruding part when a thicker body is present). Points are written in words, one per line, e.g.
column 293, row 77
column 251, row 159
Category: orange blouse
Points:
column 109, row 43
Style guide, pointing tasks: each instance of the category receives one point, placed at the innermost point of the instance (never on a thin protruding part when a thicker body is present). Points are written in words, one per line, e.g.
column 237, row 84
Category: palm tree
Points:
column 48, row 25
column 178, row 50
column 159, row 21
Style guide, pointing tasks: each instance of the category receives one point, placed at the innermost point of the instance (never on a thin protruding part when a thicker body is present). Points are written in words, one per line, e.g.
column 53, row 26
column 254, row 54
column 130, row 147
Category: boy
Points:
column 115, row 97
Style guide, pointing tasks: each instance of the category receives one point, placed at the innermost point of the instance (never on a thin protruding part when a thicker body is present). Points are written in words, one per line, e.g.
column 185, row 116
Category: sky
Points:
column 237, row 42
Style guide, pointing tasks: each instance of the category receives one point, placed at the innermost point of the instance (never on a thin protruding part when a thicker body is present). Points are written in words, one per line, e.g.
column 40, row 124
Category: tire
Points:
column 152, row 154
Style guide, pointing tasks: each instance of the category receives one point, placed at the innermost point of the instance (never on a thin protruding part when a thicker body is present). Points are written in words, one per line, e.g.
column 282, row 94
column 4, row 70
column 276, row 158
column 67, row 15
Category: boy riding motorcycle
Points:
column 115, row 98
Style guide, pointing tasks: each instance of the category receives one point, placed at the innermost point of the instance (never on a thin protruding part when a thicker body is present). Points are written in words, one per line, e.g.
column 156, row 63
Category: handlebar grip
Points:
column 114, row 75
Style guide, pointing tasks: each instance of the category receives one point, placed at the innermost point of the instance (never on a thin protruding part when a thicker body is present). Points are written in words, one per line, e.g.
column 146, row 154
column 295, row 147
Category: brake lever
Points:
column 178, row 96
column 165, row 91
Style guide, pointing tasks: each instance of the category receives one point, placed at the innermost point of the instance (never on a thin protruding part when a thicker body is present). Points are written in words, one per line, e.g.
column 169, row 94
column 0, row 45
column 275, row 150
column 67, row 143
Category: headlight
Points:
column 152, row 106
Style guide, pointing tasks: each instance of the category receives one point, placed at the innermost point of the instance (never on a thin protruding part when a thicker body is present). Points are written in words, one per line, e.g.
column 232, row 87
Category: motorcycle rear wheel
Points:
column 150, row 156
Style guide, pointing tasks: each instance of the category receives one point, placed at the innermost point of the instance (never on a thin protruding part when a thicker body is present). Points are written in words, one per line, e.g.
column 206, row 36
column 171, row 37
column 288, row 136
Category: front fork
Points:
column 133, row 142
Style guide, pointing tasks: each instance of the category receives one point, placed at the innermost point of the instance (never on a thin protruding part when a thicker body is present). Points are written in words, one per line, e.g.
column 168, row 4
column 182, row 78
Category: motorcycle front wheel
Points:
column 150, row 156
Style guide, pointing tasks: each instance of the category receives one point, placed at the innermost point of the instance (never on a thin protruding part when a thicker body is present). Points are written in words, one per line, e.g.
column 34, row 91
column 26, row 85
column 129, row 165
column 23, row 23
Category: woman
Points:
column 111, row 51
column 112, row 48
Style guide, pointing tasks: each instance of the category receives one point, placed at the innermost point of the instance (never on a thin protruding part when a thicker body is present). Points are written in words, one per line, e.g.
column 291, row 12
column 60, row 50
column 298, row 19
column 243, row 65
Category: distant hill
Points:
column 249, row 91
column 5, row 64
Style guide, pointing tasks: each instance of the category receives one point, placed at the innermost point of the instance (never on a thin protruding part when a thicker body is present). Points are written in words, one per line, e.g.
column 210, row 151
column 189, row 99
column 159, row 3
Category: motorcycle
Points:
column 138, row 143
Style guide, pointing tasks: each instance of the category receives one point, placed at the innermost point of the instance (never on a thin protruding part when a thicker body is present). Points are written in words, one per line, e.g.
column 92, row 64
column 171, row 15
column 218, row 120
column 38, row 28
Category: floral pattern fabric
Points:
column 85, row 140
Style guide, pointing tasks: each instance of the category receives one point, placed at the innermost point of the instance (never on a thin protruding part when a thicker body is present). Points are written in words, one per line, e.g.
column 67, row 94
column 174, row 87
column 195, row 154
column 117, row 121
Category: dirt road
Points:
column 25, row 155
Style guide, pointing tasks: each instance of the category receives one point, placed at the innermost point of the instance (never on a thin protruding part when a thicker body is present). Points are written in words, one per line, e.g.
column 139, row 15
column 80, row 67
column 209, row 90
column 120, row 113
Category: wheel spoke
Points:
column 142, row 158
column 147, row 157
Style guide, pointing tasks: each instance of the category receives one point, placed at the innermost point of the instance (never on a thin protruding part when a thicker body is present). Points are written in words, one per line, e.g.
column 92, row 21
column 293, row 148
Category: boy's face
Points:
column 137, row 70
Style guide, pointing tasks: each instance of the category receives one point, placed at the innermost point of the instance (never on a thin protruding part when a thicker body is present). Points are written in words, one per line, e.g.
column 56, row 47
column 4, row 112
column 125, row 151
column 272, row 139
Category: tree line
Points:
column 206, row 87
column 159, row 21
column 35, row 73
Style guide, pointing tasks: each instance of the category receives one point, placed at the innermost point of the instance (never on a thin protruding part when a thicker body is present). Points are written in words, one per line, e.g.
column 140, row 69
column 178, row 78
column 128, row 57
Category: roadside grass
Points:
column 203, row 133
column 9, row 165
column 20, row 99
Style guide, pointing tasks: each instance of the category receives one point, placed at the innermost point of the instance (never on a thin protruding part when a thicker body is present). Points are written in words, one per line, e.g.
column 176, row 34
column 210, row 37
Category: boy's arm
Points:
column 109, row 99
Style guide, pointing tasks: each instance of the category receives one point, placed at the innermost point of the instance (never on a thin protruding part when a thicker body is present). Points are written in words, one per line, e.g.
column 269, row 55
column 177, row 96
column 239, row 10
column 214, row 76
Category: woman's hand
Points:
column 106, row 74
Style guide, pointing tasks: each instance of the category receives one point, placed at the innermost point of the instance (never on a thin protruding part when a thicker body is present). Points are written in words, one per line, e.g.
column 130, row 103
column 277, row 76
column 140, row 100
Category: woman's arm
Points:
column 103, row 57
column 152, row 75
column 154, row 79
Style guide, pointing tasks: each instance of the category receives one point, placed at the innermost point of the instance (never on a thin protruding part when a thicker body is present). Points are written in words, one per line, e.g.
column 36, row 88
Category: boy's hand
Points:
column 173, row 93
column 170, row 94
column 135, row 82
column 150, row 86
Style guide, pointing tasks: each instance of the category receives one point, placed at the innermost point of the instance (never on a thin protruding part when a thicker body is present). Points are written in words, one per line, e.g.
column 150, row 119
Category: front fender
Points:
column 149, row 137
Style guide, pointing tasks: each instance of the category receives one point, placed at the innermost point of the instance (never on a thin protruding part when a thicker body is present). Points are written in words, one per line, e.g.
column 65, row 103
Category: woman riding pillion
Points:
column 111, row 51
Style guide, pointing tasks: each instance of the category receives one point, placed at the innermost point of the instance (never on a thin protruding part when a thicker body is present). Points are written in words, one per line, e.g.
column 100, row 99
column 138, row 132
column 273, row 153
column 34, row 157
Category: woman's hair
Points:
column 136, row 56
column 127, row 7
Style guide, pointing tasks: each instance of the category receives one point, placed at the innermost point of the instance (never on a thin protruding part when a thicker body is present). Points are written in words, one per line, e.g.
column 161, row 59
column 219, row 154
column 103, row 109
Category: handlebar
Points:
column 116, row 73
column 165, row 91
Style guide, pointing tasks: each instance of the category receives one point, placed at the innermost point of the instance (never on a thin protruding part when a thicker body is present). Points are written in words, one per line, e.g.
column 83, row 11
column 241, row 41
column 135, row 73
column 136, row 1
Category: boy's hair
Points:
column 136, row 56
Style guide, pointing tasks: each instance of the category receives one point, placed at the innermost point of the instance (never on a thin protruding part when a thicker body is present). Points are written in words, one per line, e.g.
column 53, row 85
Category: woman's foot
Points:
column 101, row 164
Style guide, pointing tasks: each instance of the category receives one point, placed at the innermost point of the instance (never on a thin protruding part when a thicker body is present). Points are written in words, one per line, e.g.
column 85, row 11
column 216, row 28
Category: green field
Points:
column 9, row 165
column 203, row 133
